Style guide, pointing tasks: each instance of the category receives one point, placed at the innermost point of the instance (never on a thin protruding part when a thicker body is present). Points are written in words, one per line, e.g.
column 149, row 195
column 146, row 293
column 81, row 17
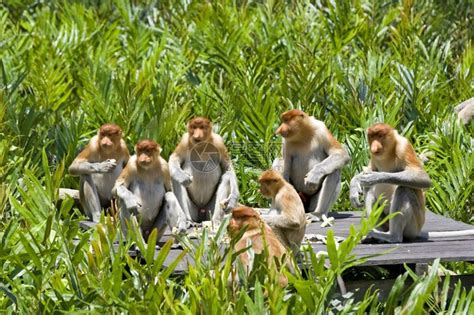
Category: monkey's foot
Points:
column 313, row 217
column 320, row 239
column 371, row 238
column 176, row 246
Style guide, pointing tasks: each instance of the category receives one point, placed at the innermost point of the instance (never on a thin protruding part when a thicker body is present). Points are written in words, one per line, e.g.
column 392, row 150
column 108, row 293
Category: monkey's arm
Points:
column 336, row 159
column 355, row 190
column 281, row 221
column 412, row 178
column 125, row 153
column 461, row 106
column 122, row 192
column 176, row 217
column 83, row 167
column 176, row 171
column 234, row 190
column 229, row 175
column 286, row 163
column 166, row 174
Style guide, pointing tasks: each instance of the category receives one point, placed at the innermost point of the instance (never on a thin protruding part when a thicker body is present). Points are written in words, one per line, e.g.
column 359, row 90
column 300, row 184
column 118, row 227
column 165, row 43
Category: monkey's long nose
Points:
column 281, row 131
column 376, row 147
column 198, row 136
column 106, row 143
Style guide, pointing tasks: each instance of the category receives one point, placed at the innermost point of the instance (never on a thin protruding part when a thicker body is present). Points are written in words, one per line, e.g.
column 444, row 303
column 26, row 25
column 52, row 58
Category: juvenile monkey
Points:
column 258, row 234
column 286, row 216
column 312, row 161
column 202, row 174
column 144, row 190
column 396, row 174
column 98, row 166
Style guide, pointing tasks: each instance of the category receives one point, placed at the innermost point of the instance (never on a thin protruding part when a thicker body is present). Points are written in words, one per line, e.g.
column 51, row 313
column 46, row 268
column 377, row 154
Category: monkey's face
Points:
column 266, row 188
column 148, row 152
column 199, row 129
column 109, row 137
column 241, row 217
column 109, row 142
column 270, row 182
column 291, row 122
column 238, row 223
column 381, row 140
column 234, row 226
column 146, row 158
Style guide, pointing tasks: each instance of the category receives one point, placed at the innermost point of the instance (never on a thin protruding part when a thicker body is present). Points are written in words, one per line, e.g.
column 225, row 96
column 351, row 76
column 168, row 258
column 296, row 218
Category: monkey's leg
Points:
column 369, row 201
column 324, row 199
column 162, row 220
column 129, row 216
column 220, row 199
column 124, row 216
column 187, row 205
column 89, row 198
column 404, row 200
column 173, row 214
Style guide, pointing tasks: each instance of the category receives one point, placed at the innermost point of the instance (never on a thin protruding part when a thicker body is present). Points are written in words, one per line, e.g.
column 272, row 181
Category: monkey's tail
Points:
column 448, row 233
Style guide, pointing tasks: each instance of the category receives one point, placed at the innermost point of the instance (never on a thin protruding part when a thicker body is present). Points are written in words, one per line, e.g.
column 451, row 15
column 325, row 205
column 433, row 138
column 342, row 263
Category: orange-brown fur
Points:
column 392, row 153
column 99, row 165
column 148, row 164
column 312, row 160
column 146, row 180
column 201, row 192
column 107, row 144
column 287, row 216
column 258, row 233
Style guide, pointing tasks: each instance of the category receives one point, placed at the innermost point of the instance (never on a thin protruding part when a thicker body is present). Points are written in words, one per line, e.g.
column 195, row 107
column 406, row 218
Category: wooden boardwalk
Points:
column 420, row 251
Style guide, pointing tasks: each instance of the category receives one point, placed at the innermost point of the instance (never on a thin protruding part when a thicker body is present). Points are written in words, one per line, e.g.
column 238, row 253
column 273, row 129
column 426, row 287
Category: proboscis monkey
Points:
column 203, row 178
column 396, row 174
column 98, row 166
column 312, row 161
column 258, row 235
column 286, row 216
column 143, row 189
column 465, row 111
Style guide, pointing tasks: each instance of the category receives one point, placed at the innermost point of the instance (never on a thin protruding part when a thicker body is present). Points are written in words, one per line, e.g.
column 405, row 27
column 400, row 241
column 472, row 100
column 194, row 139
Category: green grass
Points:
column 66, row 67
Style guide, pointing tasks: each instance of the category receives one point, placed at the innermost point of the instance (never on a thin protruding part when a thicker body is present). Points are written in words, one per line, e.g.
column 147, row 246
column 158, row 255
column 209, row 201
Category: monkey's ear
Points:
column 160, row 149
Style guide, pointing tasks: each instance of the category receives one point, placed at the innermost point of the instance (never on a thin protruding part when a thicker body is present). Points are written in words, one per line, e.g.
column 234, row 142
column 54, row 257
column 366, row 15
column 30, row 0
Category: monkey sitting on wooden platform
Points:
column 143, row 189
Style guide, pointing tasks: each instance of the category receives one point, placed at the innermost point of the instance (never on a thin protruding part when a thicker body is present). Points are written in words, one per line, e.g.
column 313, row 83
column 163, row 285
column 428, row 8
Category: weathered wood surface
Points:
column 359, row 287
column 419, row 251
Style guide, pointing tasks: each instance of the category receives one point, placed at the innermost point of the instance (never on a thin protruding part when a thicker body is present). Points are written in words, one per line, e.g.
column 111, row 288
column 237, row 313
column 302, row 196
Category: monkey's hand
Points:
column 229, row 203
column 106, row 166
column 369, row 178
column 132, row 203
column 129, row 199
column 314, row 178
column 355, row 191
column 182, row 177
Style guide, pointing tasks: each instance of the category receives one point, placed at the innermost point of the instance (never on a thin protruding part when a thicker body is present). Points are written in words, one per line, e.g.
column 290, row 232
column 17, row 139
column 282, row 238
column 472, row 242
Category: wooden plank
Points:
column 420, row 251
column 461, row 250
column 385, row 286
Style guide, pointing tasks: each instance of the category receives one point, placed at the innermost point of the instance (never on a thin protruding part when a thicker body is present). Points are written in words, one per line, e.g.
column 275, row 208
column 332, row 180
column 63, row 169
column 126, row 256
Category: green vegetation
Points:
column 69, row 66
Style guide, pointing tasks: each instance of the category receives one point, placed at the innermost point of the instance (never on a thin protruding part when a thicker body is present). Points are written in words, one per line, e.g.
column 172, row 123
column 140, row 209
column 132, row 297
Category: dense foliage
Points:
column 69, row 66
